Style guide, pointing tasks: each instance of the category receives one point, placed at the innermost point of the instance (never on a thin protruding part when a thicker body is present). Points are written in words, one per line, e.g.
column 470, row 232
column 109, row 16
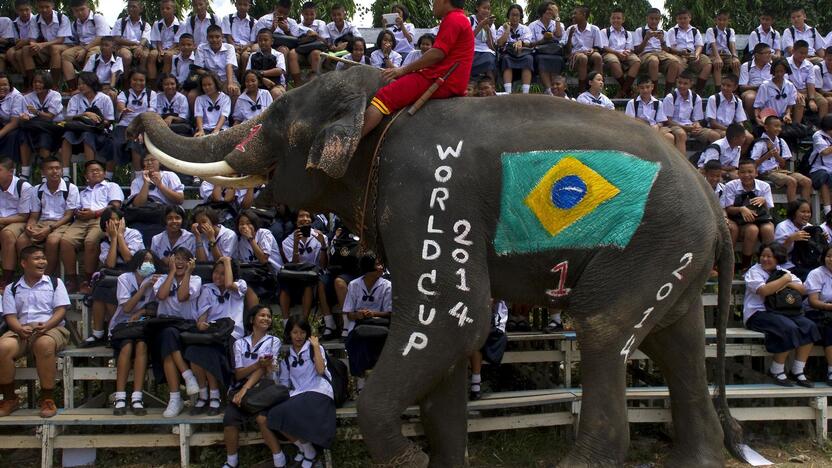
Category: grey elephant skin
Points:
column 452, row 211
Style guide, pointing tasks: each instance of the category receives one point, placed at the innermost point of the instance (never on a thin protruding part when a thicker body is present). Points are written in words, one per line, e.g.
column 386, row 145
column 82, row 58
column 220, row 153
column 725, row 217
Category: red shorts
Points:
column 404, row 92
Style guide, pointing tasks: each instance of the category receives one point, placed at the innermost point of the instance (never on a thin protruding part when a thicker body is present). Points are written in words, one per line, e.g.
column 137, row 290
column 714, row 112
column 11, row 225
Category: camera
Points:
column 305, row 231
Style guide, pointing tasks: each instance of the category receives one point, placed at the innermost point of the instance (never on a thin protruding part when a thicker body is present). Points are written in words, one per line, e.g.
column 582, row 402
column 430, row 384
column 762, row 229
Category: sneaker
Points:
column 47, row 408
column 174, row 408
column 191, row 386
column 8, row 406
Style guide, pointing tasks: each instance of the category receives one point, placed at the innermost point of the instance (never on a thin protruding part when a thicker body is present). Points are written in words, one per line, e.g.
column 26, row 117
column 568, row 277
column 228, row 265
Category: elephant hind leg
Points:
column 443, row 412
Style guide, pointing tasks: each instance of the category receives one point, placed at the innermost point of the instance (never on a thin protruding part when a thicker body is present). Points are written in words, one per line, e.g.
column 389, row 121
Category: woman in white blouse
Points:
column 819, row 305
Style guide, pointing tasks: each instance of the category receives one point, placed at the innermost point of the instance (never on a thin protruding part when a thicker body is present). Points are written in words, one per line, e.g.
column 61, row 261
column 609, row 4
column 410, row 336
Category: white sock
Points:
column 279, row 459
column 108, row 175
column 476, row 380
column 188, row 374
column 299, row 455
column 98, row 333
column 556, row 318
column 26, row 170
column 308, row 450
column 797, row 369
column 507, row 87
column 777, row 368
column 827, row 209
column 526, row 88
column 329, row 321
column 231, row 459
column 359, row 383
column 203, row 395
column 136, row 396
column 175, row 396
column 65, row 172
column 215, row 398
column 121, row 396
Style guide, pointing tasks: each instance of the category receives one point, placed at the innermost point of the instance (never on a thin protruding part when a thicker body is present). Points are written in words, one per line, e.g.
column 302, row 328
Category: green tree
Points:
column 151, row 9
column 499, row 8
column 7, row 7
column 745, row 13
column 421, row 13
column 635, row 11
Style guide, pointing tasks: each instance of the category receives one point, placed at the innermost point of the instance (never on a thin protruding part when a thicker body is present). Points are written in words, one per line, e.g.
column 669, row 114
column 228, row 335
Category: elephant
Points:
column 530, row 199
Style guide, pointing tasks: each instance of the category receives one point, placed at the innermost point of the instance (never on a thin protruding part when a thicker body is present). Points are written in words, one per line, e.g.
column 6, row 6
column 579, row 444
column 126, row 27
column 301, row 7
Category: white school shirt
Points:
column 819, row 281
column 303, row 377
column 308, row 249
column 132, row 237
column 12, row 202
column 823, row 79
column 139, row 103
column 783, row 230
column 779, row 99
column 247, row 353
column 761, row 147
column 618, row 40
column 653, row 44
column 84, row 32
column 132, row 31
column 755, row 278
column 602, row 101
column 169, row 179
column 78, row 104
column 649, row 112
column 205, row 189
column 721, row 38
column 171, row 307
column 522, row 33
column 37, row 303
column 104, row 69
column 265, row 239
column 226, row 243
column 267, row 21
column 247, row 108
column 181, row 66
column 160, row 243
column 679, row 38
column 727, row 112
column 216, row 61
column 499, row 315
column 412, row 57
column 12, row 105
column 54, row 205
column 166, row 35
column 718, row 190
column 752, row 75
column 52, row 103
column 317, row 25
column 58, row 27
column 98, row 197
column 210, row 111
column 200, row 28
column 802, row 75
column 759, row 36
column 481, row 39
column 25, row 30
column 221, row 305
column 806, row 34
column 279, row 63
column 377, row 58
column 364, row 59
column 240, row 29
column 681, row 110
column 820, row 141
column 334, row 33
column 378, row 298
column 583, row 41
column 178, row 105
column 827, row 230
column 538, row 29
column 6, row 28
column 126, row 287
column 734, row 188
column 726, row 155
column 402, row 44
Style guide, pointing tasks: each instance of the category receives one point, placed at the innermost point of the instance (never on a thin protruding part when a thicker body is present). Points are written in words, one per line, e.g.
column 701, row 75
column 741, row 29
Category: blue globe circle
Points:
column 568, row 191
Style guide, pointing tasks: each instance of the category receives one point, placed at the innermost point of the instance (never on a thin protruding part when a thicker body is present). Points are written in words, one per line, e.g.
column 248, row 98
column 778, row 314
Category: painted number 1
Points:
column 561, row 291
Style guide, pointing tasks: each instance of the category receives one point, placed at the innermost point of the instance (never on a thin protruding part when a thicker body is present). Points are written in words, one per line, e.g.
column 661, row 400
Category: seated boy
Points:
column 649, row 42
column 800, row 30
column 648, row 109
column 683, row 109
column 107, row 66
column 560, row 88
column 280, row 23
column 721, row 46
column 750, row 229
column 770, row 153
column 823, row 78
column 724, row 108
column 218, row 57
column 803, row 78
column 766, row 34
column 164, row 35
column 53, row 35
column 752, row 74
column 313, row 30
column 15, row 205
column 132, row 35
column 619, row 55
column 25, row 31
column 686, row 42
column 239, row 30
column 198, row 22
column 33, row 308
column 486, row 87
column 821, row 162
column 339, row 31
column 87, row 31
column 725, row 150
column 270, row 63
column 180, row 67
column 581, row 43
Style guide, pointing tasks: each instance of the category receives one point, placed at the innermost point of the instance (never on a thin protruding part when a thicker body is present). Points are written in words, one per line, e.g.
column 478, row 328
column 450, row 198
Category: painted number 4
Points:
column 561, row 291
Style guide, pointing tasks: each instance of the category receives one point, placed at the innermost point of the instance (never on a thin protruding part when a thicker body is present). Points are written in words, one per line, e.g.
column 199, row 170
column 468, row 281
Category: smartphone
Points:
column 306, row 230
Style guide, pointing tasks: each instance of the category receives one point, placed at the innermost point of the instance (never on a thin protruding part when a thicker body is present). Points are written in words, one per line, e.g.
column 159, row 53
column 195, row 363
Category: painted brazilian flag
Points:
column 571, row 199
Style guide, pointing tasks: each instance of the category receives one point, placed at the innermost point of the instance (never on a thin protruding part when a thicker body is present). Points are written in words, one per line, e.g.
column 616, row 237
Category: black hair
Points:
column 264, row 31
column 458, row 3
column 583, row 9
column 21, row 3
column 296, row 321
column 108, row 214
column 8, row 163
column 46, row 77
column 404, row 10
column 90, row 79
column 734, row 130
column 779, row 252
column 50, row 159
column 30, row 250
column 654, row 11
column 760, row 47
column 183, row 252
column 800, row 44
column 825, row 250
column 745, row 161
column 187, row 36
column 213, row 77
column 251, row 313
column 826, row 123
column 256, row 75
column 541, row 9
column 796, row 9
column 770, row 119
column 108, row 39
column 515, row 6
column 94, row 162
column 722, row 12
column 591, row 76
column 208, row 212
column 213, row 28
column 828, row 50
column 235, row 267
column 78, row 3
column 485, row 79
column 681, row 11
column 174, row 209
column 428, row 37
column 794, row 205
column 688, row 75
column 352, row 43
column 136, row 70
column 252, row 216
column 617, row 9
column 138, row 259
column 643, row 79
column 165, row 76
column 337, row 6
column 284, row 4
column 367, row 262
column 730, row 77
column 381, row 36
column 481, row 2
column 308, row 6
column 712, row 165
column 781, row 62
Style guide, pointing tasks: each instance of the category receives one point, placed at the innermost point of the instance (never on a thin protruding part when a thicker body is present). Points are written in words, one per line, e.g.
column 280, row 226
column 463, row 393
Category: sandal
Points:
column 120, row 411
column 804, row 382
column 137, row 407
column 784, row 382
column 214, row 410
column 197, row 409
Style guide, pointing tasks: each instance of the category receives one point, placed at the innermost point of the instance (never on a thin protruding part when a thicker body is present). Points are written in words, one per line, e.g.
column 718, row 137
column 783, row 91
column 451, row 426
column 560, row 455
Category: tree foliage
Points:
column 7, row 7
column 635, row 11
column 745, row 13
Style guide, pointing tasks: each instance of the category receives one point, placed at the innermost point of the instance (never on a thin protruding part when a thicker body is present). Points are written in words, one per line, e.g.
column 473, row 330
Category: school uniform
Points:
column 199, row 27
column 821, row 172
column 309, row 413
column 318, row 26
column 819, row 281
column 267, row 243
column 95, row 26
column 336, row 35
column 58, row 26
column 78, row 104
column 734, row 188
column 412, row 57
column 619, row 41
column 15, row 199
column 36, row 304
column 783, row 230
column 135, row 31
column 726, row 155
column 226, row 243
column 377, row 59
column 246, row 353
column 177, row 105
column 161, row 245
column 261, row 62
column 586, row 41
column 725, row 111
column 485, row 58
column 144, row 101
column 688, row 40
column 211, row 110
column 25, row 29
column 653, row 48
column 166, row 35
column 93, row 198
column 364, row 59
column 683, row 110
column 134, row 241
column 104, row 69
column 247, row 108
column 760, row 147
column 267, row 21
column 169, row 179
column 11, row 106
column 752, row 75
column 127, row 286
column 217, row 60
column 53, row 205
column 7, row 33
column 719, row 39
column 651, row 112
column 808, row 34
column 162, row 343
column 782, row 333
column 802, row 75
column 823, row 79
column 776, row 97
column 363, row 353
column 240, row 29
column 827, row 230
column 308, row 249
column 602, row 101
column 760, row 36
column 520, row 33
column 403, row 46
column 549, row 63
column 181, row 66
column 719, row 190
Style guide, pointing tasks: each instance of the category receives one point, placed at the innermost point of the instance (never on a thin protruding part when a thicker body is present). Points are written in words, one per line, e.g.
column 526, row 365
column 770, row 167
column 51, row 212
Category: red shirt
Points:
column 456, row 40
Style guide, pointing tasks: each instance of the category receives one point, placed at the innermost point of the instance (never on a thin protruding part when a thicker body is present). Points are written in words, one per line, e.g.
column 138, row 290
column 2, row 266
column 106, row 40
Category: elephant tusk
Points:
column 238, row 182
column 218, row 168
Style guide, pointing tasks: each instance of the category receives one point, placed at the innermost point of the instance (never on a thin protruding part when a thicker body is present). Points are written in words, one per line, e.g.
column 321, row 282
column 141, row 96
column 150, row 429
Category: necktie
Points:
column 221, row 298
column 297, row 361
column 214, row 107
column 256, row 106
column 596, row 101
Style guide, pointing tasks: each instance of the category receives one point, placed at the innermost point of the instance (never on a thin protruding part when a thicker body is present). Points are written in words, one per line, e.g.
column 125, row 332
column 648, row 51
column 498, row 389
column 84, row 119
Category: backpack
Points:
column 676, row 33
column 637, row 103
column 806, row 162
column 141, row 25
column 41, row 37
column 719, row 101
column 794, row 32
column 694, row 158
column 231, row 22
column 806, row 254
column 692, row 103
column 75, row 33
column 14, row 285
column 340, row 376
column 161, row 23
column 192, row 20
column 727, row 38
column 42, row 188
column 626, row 33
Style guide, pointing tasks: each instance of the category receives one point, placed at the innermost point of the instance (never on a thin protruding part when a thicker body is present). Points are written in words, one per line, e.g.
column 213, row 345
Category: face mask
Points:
column 146, row 269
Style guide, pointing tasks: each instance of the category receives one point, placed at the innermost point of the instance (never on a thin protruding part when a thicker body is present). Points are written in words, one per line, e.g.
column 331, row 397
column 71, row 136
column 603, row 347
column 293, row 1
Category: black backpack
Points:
column 42, row 188
column 804, row 166
column 124, row 25
column 161, row 23
column 806, row 254
column 41, row 37
column 192, row 20
column 231, row 18
column 340, row 376
column 694, row 158
column 14, row 285
column 637, row 104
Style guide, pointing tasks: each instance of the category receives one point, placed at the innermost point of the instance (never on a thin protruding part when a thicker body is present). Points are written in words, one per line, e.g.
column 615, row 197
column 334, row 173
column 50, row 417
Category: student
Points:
column 750, row 229
column 649, row 43
column 803, row 78
column 800, row 30
column 821, row 172
column 198, row 22
column 823, row 78
column 357, row 49
column 712, row 170
column 766, row 34
column 313, row 29
column 134, row 294
column 724, row 108
column 403, row 31
column 222, row 298
column 12, row 105
column 130, row 104
column 512, row 38
column 778, row 94
column 53, row 36
column 581, row 43
column 368, row 296
column 87, row 30
column 155, row 185
column 171, row 104
column 686, row 42
column 15, row 206
column 7, row 39
column 33, row 308
column 25, row 32
column 546, row 33
column 254, row 359
column 486, row 87
column 726, row 150
column 132, row 36
column 177, row 293
column 819, row 301
column 307, row 418
column 340, row 32
column 253, row 101
column 793, row 229
column 84, row 232
column 827, row 225
column 164, row 37
column 213, row 240
column 256, row 245
column 482, row 24
column 770, row 153
column 307, row 245
column 218, row 57
column 648, row 109
column 239, row 30
column 595, row 96
column 107, row 66
column 165, row 243
column 783, row 333
column 270, row 63
column 499, row 318
column 385, row 55
column 559, row 88
column 183, row 67
column 279, row 22
column 683, row 109
column 424, row 44
column 619, row 55
column 95, row 106
column 212, row 108
column 721, row 46
column 752, row 74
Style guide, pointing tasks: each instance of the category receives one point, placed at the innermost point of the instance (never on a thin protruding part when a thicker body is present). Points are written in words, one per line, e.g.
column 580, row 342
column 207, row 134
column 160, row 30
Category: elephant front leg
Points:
column 444, row 416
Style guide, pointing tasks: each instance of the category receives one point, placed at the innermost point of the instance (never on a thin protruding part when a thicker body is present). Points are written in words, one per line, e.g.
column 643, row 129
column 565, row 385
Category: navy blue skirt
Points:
column 10, row 145
column 363, row 353
column 100, row 142
column 783, row 333
column 40, row 140
column 484, row 62
column 825, row 329
column 525, row 62
column 165, row 343
column 122, row 149
column 308, row 416
column 549, row 63
column 117, row 345
column 212, row 358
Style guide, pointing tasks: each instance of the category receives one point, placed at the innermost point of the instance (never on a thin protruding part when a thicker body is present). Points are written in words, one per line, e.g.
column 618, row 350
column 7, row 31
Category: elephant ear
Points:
column 334, row 145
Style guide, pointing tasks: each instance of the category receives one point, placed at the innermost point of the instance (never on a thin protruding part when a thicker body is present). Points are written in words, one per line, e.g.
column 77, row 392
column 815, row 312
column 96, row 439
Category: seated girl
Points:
column 307, row 418
column 256, row 245
column 173, row 105
column 595, row 95
column 403, row 31
column 134, row 293
column 385, row 55
column 783, row 333
column 212, row 108
column 819, row 304
column 424, row 44
column 254, row 359
column 482, row 24
column 213, row 240
column 514, row 38
column 129, row 105
column 222, row 298
column 220, row 199
column 177, row 293
column 307, row 246
column 11, row 107
column 547, row 33
column 95, row 108
column 253, row 101
column 791, row 230
column 163, row 244
column 45, row 104
column 358, row 53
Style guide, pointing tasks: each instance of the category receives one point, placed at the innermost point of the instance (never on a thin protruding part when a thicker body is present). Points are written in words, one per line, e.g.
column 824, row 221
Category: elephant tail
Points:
column 731, row 429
